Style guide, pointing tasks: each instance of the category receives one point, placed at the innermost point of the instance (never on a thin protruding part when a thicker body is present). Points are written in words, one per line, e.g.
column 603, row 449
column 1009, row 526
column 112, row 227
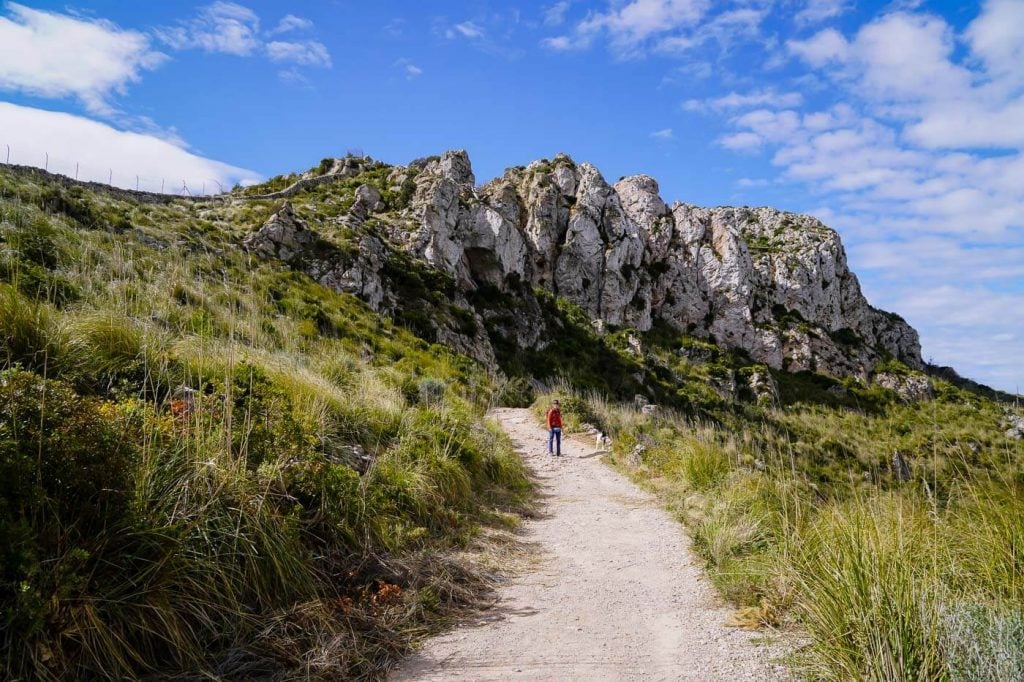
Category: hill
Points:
column 260, row 416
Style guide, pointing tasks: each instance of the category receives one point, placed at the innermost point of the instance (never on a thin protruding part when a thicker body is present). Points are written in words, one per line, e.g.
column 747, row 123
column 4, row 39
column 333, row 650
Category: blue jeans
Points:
column 555, row 441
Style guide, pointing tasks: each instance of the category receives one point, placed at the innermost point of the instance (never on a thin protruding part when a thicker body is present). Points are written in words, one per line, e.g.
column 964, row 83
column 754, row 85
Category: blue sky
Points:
column 901, row 124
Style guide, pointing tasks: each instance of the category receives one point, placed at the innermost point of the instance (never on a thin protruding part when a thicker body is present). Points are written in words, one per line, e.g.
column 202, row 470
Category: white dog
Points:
column 603, row 441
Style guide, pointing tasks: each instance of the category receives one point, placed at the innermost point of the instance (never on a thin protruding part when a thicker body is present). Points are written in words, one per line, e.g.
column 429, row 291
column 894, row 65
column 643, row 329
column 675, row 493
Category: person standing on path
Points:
column 554, row 419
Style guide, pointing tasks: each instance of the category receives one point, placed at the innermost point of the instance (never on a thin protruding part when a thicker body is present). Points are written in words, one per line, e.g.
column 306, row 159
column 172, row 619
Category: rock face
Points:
column 282, row 236
column 1016, row 426
column 911, row 388
column 774, row 284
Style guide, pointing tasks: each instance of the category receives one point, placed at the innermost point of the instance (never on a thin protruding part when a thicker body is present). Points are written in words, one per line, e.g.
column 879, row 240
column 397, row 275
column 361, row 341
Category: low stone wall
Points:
column 116, row 192
column 340, row 171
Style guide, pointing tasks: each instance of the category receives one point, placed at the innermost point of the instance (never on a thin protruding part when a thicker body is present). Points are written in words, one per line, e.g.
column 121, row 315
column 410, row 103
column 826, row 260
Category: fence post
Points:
column 136, row 183
column 162, row 181
column 46, row 166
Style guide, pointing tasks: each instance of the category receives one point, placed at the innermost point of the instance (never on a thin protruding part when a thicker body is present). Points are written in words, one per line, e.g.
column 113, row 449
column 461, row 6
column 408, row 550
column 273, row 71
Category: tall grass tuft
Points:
column 865, row 576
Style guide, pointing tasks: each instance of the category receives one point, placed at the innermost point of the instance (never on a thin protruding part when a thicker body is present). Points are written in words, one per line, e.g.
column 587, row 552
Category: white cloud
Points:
column 634, row 22
column 823, row 47
column 221, row 27
column 290, row 23
column 997, row 37
column 636, row 27
column 725, row 29
column 99, row 150
column 741, row 142
column 904, row 65
column 905, row 57
column 466, row 29
column 629, row 26
column 230, row 28
column 663, row 134
column 559, row 43
column 817, row 11
column 554, row 15
column 773, row 126
column 752, row 182
column 764, row 97
column 304, row 53
column 411, row 70
column 55, row 55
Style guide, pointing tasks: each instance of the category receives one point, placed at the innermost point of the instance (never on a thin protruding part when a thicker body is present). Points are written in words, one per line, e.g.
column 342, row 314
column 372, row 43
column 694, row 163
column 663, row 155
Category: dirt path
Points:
column 616, row 595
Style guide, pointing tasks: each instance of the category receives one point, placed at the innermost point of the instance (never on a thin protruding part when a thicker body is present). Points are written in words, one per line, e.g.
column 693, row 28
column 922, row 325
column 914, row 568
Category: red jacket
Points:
column 554, row 418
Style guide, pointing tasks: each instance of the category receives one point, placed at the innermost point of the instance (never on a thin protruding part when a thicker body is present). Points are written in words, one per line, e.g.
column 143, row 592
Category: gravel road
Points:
column 615, row 594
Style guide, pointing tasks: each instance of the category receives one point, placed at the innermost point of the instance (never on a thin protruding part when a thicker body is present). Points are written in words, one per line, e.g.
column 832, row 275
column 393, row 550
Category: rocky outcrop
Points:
column 911, row 388
column 774, row 284
column 357, row 273
column 282, row 236
column 367, row 202
column 1015, row 424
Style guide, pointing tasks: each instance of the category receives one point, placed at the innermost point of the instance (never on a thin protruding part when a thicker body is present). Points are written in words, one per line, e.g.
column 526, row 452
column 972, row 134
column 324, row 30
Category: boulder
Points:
column 1015, row 422
column 368, row 201
column 910, row 387
column 282, row 236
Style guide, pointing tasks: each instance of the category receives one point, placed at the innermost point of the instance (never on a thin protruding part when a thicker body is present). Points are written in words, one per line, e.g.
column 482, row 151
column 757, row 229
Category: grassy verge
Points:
column 213, row 466
column 801, row 523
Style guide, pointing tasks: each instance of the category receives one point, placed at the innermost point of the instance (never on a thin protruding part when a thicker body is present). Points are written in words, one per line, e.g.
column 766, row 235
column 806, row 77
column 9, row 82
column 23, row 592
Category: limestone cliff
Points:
column 773, row 284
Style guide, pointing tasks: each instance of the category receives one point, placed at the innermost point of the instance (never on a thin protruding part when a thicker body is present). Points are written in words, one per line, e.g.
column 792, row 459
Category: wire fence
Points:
column 110, row 175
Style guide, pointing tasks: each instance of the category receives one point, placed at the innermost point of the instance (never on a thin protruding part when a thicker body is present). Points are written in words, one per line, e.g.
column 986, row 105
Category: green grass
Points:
column 304, row 516
column 802, row 525
column 306, row 512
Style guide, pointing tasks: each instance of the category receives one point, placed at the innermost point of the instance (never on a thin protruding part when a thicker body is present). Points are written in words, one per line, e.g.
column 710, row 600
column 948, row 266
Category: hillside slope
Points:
column 211, row 465
column 260, row 416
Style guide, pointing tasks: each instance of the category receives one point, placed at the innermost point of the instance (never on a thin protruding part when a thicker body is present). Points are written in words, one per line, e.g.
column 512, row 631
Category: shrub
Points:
column 514, row 392
column 982, row 642
column 65, row 481
column 430, row 391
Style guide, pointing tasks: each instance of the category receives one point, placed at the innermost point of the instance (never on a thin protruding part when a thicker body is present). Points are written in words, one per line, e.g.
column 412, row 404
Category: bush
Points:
column 430, row 391
column 65, row 483
column 514, row 392
column 982, row 642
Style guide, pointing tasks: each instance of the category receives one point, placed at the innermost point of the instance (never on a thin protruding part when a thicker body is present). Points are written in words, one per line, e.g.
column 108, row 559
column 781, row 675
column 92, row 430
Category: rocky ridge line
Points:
column 773, row 284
